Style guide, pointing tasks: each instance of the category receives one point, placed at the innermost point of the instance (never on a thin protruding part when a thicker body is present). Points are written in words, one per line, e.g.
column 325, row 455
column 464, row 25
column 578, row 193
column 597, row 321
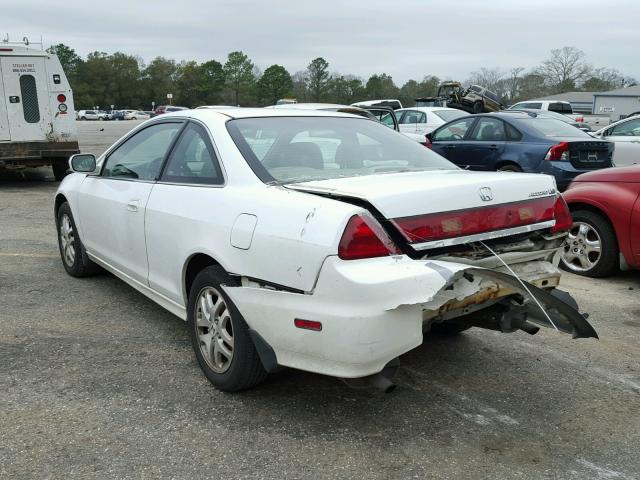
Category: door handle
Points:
column 132, row 206
column 449, row 147
column 493, row 147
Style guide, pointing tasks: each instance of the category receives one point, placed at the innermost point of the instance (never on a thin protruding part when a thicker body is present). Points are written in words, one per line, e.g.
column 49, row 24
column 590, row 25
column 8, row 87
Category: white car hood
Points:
column 415, row 193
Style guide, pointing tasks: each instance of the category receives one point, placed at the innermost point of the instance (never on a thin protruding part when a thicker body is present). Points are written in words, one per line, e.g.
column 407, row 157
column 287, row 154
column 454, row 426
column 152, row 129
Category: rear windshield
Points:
column 299, row 149
column 448, row 115
column 550, row 127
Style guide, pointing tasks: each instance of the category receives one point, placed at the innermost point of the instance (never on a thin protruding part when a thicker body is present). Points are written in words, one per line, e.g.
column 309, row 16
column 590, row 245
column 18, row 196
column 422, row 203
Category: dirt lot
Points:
column 96, row 381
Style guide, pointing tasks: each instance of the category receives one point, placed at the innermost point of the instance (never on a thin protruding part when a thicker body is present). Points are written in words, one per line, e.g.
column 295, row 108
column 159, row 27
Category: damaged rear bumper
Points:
column 374, row 310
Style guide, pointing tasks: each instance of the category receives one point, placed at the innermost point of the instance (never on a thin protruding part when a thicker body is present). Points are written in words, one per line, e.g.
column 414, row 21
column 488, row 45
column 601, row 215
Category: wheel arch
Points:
column 574, row 206
column 504, row 163
column 60, row 199
column 192, row 266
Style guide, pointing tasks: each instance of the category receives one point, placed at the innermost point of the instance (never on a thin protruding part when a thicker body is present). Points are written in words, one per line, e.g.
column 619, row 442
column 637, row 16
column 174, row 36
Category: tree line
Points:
column 125, row 81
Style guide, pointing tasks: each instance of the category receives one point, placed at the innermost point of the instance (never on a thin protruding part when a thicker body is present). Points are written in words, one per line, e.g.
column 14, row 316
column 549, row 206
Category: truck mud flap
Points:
column 560, row 309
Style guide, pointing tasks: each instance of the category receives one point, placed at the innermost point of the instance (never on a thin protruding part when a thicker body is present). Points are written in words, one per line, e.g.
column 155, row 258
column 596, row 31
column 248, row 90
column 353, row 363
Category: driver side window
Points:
column 626, row 129
column 140, row 157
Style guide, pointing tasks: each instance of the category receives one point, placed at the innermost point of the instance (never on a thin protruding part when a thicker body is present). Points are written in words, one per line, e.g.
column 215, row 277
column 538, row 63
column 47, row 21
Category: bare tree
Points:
column 514, row 81
column 565, row 69
column 487, row 77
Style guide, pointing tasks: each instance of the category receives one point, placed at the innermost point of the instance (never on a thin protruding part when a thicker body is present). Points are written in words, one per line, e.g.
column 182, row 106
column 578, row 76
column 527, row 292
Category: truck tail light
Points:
column 461, row 223
column 580, row 119
column 364, row 237
column 558, row 152
column 62, row 97
column 562, row 214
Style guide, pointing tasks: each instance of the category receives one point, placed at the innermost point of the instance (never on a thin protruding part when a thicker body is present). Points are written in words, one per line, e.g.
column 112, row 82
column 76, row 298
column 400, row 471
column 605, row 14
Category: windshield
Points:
column 448, row 115
column 550, row 127
column 300, row 149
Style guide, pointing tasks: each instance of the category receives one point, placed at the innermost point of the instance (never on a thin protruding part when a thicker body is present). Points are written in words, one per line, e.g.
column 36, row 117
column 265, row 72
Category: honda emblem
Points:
column 485, row 194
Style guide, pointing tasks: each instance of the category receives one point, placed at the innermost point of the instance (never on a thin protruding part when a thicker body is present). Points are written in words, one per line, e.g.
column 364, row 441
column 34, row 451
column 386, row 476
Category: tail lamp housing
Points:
column 364, row 237
column 559, row 152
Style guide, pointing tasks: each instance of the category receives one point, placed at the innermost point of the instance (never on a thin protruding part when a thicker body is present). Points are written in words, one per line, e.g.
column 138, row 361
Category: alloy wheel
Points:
column 67, row 241
column 214, row 329
column 582, row 248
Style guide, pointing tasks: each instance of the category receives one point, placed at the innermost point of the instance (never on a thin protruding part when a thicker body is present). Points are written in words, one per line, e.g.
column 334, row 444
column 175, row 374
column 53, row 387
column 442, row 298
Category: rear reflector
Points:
column 364, row 237
column 6, row 49
column 308, row 324
column 562, row 214
column 461, row 223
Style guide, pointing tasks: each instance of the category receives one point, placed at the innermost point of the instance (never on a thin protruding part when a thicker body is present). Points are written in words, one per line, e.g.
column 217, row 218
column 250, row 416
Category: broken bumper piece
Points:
column 374, row 310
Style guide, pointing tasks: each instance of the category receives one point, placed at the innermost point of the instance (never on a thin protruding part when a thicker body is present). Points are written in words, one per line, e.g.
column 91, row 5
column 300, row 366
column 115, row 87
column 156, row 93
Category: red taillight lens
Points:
column 62, row 98
column 363, row 237
column 580, row 119
column 460, row 223
column 558, row 152
column 562, row 214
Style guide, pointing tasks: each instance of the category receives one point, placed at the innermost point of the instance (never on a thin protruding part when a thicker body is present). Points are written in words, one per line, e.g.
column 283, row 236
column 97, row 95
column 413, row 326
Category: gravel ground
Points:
column 98, row 382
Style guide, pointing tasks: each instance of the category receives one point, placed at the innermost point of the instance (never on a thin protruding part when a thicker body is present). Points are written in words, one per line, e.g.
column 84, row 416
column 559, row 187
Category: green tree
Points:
column 158, row 79
column 274, row 84
column 238, row 71
column 381, row 86
column 345, row 89
column 214, row 80
column 318, row 78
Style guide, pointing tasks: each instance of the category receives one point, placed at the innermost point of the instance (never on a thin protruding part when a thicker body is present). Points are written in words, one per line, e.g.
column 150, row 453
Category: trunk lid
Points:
column 417, row 193
column 590, row 154
column 434, row 209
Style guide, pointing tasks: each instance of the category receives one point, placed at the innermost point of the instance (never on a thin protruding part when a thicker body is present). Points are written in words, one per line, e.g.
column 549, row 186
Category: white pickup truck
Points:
column 594, row 121
column 37, row 123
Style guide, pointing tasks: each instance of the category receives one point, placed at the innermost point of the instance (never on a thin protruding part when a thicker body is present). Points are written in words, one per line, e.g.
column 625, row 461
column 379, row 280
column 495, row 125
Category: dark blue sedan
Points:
column 521, row 142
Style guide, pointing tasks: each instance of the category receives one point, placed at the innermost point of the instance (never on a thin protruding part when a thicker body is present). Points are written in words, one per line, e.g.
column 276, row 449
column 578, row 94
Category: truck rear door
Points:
column 4, row 120
column 27, row 103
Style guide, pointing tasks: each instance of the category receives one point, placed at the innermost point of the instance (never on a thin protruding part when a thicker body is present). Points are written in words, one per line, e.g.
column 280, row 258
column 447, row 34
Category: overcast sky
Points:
column 404, row 38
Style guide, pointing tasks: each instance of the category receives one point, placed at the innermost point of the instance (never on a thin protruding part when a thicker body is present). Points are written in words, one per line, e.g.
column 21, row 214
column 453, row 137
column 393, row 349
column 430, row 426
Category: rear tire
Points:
column 60, row 168
column 83, row 118
column 74, row 256
column 220, row 335
column 591, row 231
column 478, row 107
column 510, row 167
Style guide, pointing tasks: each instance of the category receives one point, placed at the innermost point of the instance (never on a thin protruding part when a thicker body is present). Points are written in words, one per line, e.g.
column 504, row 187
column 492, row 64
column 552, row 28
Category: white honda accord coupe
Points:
column 314, row 240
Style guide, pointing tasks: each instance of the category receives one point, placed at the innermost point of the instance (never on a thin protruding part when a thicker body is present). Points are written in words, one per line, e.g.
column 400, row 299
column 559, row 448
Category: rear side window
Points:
column 557, row 107
column 140, row 157
column 627, row 129
column 513, row 135
column 530, row 105
column 413, row 116
column 193, row 159
column 29, row 92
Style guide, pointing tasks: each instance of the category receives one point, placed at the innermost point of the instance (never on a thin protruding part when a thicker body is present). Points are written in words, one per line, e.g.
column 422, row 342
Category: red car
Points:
column 605, row 236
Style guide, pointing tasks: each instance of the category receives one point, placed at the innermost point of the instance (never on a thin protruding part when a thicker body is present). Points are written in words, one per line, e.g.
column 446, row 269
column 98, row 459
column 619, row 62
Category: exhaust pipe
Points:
column 381, row 381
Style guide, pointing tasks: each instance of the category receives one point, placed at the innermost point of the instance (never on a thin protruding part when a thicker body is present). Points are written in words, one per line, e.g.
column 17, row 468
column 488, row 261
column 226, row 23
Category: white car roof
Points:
column 430, row 109
column 242, row 112
column 309, row 106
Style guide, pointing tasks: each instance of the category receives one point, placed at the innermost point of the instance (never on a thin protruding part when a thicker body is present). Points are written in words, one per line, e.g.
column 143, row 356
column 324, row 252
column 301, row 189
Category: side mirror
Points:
column 430, row 136
column 83, row 162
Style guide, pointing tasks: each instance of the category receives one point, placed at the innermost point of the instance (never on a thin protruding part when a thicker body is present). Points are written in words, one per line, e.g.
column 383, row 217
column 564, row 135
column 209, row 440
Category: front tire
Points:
column 220, row 336
column 74, row 256
column 591, row 246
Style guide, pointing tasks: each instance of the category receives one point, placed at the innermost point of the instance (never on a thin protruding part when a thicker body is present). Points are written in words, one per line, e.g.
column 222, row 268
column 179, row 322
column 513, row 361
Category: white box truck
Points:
column 37, row 119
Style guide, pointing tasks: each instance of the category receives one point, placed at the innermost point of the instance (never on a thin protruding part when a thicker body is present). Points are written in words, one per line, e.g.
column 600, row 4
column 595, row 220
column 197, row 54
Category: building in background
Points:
column 619, row 103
